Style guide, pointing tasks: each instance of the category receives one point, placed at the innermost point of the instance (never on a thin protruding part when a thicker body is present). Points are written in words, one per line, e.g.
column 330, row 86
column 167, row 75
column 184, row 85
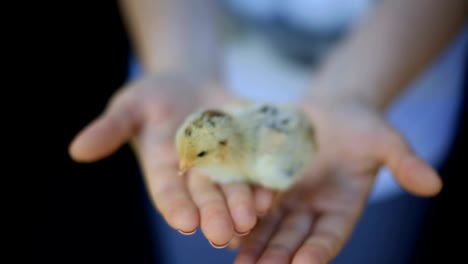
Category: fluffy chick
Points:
column 267, row 145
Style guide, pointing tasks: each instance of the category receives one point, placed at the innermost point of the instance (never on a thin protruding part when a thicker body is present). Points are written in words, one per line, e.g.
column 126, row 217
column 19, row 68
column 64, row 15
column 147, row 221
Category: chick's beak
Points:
column 184, row 166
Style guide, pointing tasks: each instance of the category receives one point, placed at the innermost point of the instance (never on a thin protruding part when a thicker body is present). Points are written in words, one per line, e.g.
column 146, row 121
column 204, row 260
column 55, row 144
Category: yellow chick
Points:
column 267, row 145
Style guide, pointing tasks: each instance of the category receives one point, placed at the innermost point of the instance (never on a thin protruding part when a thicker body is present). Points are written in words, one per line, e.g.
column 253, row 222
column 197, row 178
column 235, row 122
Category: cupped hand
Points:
column 316, row 217
column 146, row 112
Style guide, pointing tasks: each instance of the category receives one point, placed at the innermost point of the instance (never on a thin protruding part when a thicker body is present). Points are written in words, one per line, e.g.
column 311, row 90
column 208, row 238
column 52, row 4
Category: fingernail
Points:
column 242, row 234
column 187, row 233
column 218, row 247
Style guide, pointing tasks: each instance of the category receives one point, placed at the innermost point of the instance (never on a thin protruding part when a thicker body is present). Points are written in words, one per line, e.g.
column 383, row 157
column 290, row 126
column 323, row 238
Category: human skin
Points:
column 346, row 103
column 181, row 73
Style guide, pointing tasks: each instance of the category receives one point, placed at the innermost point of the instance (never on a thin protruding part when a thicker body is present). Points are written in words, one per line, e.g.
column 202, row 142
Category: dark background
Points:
column 98, row 212
column 90, row 213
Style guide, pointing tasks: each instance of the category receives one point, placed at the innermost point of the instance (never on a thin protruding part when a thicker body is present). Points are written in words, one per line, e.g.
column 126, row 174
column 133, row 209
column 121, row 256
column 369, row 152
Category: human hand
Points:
column 147, row 112
column 316, row 217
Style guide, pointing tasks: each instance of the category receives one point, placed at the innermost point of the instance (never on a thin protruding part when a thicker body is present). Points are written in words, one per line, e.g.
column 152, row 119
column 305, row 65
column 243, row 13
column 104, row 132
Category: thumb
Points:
column 411, row 172
column 106, row 134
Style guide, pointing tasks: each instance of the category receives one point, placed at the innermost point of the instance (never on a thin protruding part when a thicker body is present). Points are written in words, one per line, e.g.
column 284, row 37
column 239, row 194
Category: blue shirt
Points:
column 425, row 113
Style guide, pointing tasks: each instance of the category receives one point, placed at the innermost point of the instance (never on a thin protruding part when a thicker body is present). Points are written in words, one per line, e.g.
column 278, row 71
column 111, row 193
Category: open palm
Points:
column 316, row 217
column 146, row 112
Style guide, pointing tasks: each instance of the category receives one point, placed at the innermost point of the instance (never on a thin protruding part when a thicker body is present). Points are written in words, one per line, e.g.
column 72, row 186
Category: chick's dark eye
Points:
column 201, row 154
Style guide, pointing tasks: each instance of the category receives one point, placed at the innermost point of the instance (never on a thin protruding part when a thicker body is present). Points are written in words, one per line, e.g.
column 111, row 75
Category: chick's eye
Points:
column 201, row 154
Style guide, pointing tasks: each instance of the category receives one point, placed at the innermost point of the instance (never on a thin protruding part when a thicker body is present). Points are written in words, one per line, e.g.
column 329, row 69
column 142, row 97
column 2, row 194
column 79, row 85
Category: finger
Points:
column 167, row 189
column 326, row 238
column 257, row 240
column 412, row 173
column 173, row 200
column 293, row 230
column 241, row 206
column 263, row 200
column 235, row 242
column 107, row 133
column 216, row 222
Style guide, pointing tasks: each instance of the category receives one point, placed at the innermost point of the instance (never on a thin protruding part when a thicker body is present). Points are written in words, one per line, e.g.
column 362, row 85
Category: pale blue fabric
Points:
column 425, row 115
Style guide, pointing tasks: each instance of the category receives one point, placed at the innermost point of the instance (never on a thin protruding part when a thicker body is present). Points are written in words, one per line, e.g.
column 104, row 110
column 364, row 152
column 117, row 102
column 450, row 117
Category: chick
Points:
column 267, row 145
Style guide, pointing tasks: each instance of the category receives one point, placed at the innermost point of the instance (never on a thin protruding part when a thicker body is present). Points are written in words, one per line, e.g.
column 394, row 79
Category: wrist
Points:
column 320, row 104
column 339, row 95
column 189, row 71
column 213, row 93
column 201, row 90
